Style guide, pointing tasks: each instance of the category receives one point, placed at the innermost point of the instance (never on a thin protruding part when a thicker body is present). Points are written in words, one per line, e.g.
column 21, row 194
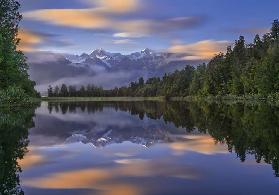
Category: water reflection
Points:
column 14, row 124
column 246, row 129
column 146, row 148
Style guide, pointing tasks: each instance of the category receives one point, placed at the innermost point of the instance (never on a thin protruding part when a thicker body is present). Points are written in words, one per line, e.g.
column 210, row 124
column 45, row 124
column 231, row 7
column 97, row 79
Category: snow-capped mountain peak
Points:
column 100, row 53
column 147, row 51
column 146, row 62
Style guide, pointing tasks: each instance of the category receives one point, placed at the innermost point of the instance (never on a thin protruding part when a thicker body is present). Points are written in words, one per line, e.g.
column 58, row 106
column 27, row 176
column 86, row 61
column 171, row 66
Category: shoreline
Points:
column 251, row 100
column 221, row 99
column 101, row 99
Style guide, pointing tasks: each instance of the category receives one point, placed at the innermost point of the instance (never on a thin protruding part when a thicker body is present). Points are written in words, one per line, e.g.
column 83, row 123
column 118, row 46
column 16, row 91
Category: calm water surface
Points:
column 139, row 148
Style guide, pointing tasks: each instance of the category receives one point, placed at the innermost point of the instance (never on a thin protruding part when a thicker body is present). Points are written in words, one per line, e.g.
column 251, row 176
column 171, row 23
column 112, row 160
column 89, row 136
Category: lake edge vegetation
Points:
column 15, row 86
column 245, row 71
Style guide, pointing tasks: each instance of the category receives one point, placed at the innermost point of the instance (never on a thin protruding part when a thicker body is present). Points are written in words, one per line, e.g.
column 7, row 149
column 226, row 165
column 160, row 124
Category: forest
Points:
column 244, row 70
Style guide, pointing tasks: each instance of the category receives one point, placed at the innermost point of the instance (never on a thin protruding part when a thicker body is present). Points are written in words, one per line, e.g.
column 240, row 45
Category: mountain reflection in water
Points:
column 140, row 148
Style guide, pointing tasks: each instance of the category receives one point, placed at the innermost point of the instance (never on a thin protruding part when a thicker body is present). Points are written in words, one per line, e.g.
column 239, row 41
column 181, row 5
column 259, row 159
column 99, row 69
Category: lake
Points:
column 134, row 148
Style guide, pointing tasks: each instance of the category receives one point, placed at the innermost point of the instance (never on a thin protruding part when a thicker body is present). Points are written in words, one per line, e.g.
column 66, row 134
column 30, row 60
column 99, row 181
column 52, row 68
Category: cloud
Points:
column 92, row 18
column 202, row 50
column 119, row 6
column 87, row 179
column 111, row 180
column 29, row 40
column 180, row 23
column 31, row 160
column 96, row 20
column 78, row 18
column 43, row 57
column 108, row 15
column 123, row 41
column 129, row 35
column 141, row 28
column 204, row 144
column 252, row 30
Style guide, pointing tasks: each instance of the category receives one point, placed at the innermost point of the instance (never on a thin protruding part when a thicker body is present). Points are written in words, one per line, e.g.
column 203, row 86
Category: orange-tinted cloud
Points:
column 87, row 19
column 103, row 17
column 201, row 144
column 79, row 18
column 85, row 179
column 107, row 180
column 31, row 159
column 121, row 6
column 91, row 18
column 200, row 50
column 28, row 40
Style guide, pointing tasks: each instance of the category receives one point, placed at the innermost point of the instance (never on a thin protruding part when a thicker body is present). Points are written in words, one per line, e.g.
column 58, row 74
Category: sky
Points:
column 199, row 27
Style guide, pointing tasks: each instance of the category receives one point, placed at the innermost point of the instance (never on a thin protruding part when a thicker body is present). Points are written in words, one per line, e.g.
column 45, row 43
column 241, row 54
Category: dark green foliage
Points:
column 246, row 129
column 72, row 91
column 199, row 78
column 14, row 125
column 275, row 30
column 14, row 96
column 13, row 66
column 56, row 91
column 64, row 91
column 50, row 91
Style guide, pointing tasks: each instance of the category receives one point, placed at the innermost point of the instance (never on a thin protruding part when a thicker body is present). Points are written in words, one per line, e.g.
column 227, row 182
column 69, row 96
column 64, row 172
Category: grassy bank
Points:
column 210, row 99
column 16, row 97
column 24, row 104
column 101, row 99
column 229, row 99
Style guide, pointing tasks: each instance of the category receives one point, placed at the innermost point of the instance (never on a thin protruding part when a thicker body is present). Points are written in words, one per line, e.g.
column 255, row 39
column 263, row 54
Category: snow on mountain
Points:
column 145, row 59
column 145, row 138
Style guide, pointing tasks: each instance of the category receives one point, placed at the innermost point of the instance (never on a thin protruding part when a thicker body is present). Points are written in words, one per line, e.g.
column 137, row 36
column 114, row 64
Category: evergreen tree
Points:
column 239, row 60
column 64, row 91
column 50, row 91
column 198, row 82
column 13, row 66
column 141, row 81
column 72, row 91
column 56, row 91
column 82, row 92
column 275, row 30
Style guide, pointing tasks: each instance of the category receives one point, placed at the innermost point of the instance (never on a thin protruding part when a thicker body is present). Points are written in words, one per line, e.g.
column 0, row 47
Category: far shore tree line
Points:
column 244, row 70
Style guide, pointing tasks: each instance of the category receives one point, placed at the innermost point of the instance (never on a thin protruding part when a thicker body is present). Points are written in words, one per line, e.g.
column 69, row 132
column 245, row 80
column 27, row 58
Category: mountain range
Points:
column 144, row 137
column 101, row 67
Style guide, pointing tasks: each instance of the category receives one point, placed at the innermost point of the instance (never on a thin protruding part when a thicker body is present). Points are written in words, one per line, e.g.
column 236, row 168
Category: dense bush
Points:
column 14, row 96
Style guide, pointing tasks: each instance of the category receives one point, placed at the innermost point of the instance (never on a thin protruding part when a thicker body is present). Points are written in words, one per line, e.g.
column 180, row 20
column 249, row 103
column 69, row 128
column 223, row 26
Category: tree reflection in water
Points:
column 246, row 129
column 14, row 125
